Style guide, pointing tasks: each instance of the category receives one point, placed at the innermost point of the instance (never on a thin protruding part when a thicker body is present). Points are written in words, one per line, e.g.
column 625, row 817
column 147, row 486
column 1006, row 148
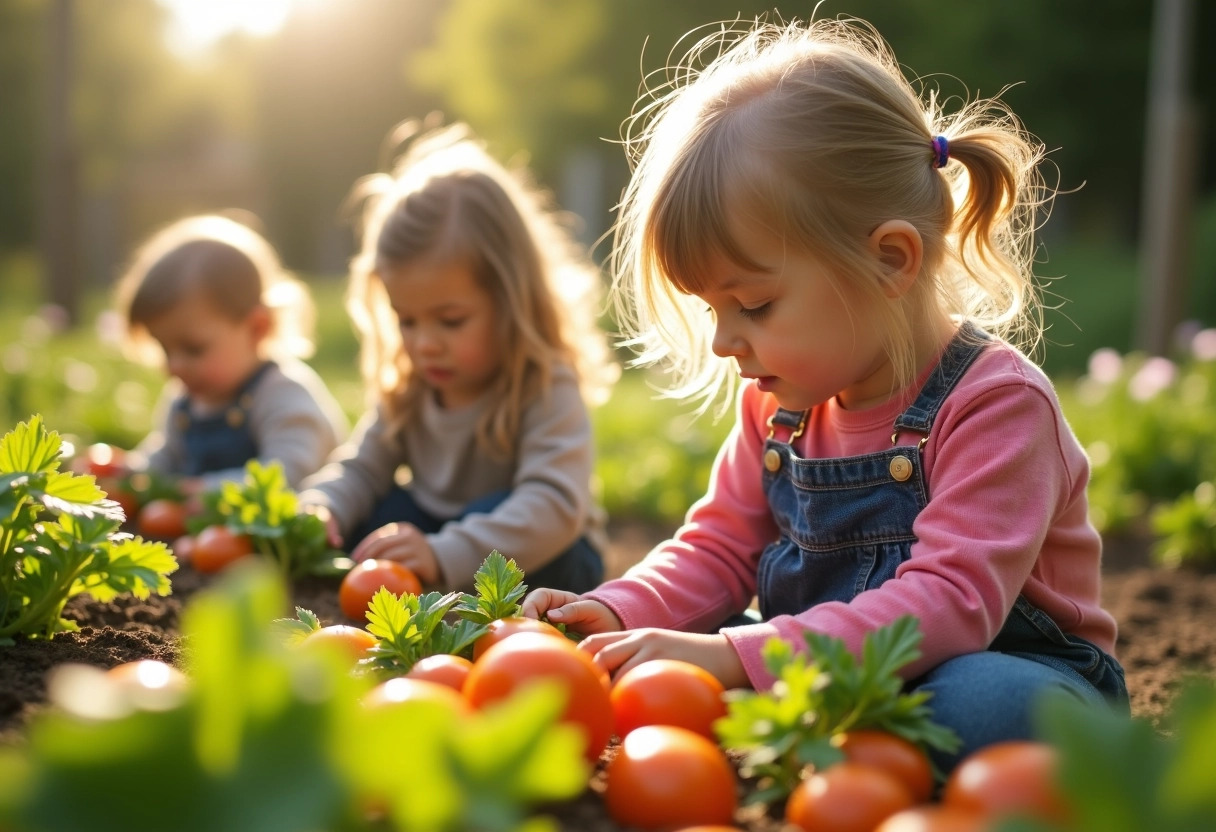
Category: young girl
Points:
column 853, row 254
column 476, row 313
column 231, row 326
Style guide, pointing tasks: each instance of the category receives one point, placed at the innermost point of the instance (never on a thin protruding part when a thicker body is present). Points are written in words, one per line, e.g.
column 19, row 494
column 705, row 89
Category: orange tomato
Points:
column 404, row 689
column 443, row 669
column 183, row 548
column 664, row 776
column 149, row 674
column 1008, row 778
column 667, row 692
column 527, row 657
column 102, row 460
column 162, row 519
column 366, row 578
column 149, row 684
column 933, row 818
column 502, row 628
column 354, row 640
column 217, row 546
column 893, row 754
column 846, row 797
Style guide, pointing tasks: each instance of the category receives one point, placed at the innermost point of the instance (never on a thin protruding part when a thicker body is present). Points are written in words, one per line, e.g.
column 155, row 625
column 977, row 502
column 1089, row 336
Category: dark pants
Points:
column 578, row 569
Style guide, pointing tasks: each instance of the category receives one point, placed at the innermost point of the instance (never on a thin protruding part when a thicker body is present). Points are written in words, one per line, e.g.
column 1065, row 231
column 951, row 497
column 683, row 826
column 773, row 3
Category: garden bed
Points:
column 1167, row 624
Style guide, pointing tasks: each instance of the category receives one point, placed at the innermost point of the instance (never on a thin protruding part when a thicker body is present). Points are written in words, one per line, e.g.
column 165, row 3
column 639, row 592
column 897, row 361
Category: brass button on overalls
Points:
column 900, row 468
column 772, row 460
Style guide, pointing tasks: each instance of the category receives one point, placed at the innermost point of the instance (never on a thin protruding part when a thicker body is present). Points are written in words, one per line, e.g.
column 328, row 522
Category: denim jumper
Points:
column 221, row 440
column 846, row 526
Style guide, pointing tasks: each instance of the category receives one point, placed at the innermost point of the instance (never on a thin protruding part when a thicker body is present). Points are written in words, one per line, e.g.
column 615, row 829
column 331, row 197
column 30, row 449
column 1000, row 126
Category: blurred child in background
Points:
column 853, row 254
column 481, row 355
column 208, row 296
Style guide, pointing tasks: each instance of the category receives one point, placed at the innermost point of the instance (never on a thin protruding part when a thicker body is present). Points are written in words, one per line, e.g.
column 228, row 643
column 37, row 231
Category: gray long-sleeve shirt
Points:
column 293, row 418
column 548, row 475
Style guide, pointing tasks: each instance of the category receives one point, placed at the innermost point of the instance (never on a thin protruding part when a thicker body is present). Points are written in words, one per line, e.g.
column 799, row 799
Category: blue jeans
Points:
column 578, row 569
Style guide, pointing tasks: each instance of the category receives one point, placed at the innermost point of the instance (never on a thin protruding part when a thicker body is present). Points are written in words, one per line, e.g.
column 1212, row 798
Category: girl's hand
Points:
column 404, row 543
column 618, row 652
column 192, row 489
column 567, row 608
column 333, row 534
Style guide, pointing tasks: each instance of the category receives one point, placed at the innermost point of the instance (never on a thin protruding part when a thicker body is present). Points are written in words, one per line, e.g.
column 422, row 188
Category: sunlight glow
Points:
column 196, row 24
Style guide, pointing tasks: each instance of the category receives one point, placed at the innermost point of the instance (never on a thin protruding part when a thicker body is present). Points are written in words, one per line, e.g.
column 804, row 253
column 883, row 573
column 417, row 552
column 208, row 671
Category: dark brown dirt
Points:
column 1167, row 630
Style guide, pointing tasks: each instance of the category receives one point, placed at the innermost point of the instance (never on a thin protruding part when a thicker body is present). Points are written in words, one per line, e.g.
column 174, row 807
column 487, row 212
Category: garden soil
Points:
column 1167, row 630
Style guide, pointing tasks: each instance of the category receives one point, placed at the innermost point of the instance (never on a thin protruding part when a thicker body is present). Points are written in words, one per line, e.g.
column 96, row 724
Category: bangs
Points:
column 689, row 225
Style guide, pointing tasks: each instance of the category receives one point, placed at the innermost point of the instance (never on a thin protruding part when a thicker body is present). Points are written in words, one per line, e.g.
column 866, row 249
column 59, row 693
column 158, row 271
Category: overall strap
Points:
column 961, row 352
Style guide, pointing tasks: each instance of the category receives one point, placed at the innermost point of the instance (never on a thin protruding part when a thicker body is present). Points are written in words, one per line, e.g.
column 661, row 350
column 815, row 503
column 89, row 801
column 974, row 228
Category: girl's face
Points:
column 210, row 353
column 448, row 327
column 789, row 327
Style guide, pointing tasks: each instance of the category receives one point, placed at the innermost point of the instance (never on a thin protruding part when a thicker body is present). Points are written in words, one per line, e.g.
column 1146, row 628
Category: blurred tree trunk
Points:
column 60, row 191
column 1169, row 177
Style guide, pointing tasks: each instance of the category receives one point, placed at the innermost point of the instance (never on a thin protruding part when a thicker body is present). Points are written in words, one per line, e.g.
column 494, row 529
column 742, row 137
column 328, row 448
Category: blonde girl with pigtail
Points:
column 801, row 219
column 208, row 298
column 481, row 356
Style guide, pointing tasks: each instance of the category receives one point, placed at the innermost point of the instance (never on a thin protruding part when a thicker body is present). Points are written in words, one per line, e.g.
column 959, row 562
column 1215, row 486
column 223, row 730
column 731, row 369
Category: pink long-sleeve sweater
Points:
column 1007, row 514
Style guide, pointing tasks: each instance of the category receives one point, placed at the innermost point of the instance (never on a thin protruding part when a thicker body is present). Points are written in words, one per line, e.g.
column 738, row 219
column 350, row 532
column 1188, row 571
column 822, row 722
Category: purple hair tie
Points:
column 941, row 151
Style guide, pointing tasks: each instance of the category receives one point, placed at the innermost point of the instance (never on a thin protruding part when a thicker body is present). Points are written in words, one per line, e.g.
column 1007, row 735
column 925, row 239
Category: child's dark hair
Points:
column 225, row 262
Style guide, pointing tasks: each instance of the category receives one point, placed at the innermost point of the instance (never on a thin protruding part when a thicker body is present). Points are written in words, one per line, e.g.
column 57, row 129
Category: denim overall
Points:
column 578, row 569
column 221, row 440
column 846, row 526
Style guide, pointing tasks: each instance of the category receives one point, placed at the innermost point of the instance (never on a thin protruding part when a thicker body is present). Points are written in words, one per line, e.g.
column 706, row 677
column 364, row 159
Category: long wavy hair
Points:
column 813, row 130
column 446, row 199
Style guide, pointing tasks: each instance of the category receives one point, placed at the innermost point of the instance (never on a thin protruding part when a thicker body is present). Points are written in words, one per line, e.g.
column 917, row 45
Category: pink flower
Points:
column 1105, row 366
column 1203, row 345
column 1154, row 375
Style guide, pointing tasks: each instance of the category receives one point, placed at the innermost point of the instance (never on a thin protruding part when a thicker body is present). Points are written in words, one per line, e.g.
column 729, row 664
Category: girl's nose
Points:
column 725, row 344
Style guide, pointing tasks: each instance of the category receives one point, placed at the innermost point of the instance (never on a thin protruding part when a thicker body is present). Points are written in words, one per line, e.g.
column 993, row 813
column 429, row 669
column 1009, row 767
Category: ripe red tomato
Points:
column 846, row 797
column 893, row 754
column 217, row 546
column 668, row 692
column 404, row 689
column 116, row 491
column 149, row 684
column 150, row 674
column 526, row 657
column 102, row 460
column 354, row 640
column 663, row 776
column 365, row 579
column 162, row 519
column 1007, row 778
column 502, row 628
column 183, row 548
column 443, row 669
column 933, row 818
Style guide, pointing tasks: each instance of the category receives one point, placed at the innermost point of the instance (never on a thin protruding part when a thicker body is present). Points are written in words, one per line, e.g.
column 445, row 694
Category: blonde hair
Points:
column 447, row 200
column 230, row 265
column 813, row 130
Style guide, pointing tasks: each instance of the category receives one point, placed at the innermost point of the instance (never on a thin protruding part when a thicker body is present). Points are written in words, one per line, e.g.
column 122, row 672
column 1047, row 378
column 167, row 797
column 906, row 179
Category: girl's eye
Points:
column 452, row 323
column 406, row 323
column 756, row 312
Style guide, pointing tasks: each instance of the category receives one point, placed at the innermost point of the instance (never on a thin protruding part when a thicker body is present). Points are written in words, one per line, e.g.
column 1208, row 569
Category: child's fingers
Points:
column 585, row 616
column 538, row 602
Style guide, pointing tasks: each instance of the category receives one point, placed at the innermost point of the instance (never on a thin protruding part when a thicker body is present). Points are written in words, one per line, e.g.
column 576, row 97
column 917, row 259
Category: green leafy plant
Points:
column 1186, row 528
column 791, row 726
column 498, row 587
column 266, row 509
column 59, row 537
column 268, row 739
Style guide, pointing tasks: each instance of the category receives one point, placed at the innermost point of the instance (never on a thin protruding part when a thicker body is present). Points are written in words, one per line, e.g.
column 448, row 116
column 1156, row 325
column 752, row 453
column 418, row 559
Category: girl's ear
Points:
column 260, row 322
column 897, row 245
